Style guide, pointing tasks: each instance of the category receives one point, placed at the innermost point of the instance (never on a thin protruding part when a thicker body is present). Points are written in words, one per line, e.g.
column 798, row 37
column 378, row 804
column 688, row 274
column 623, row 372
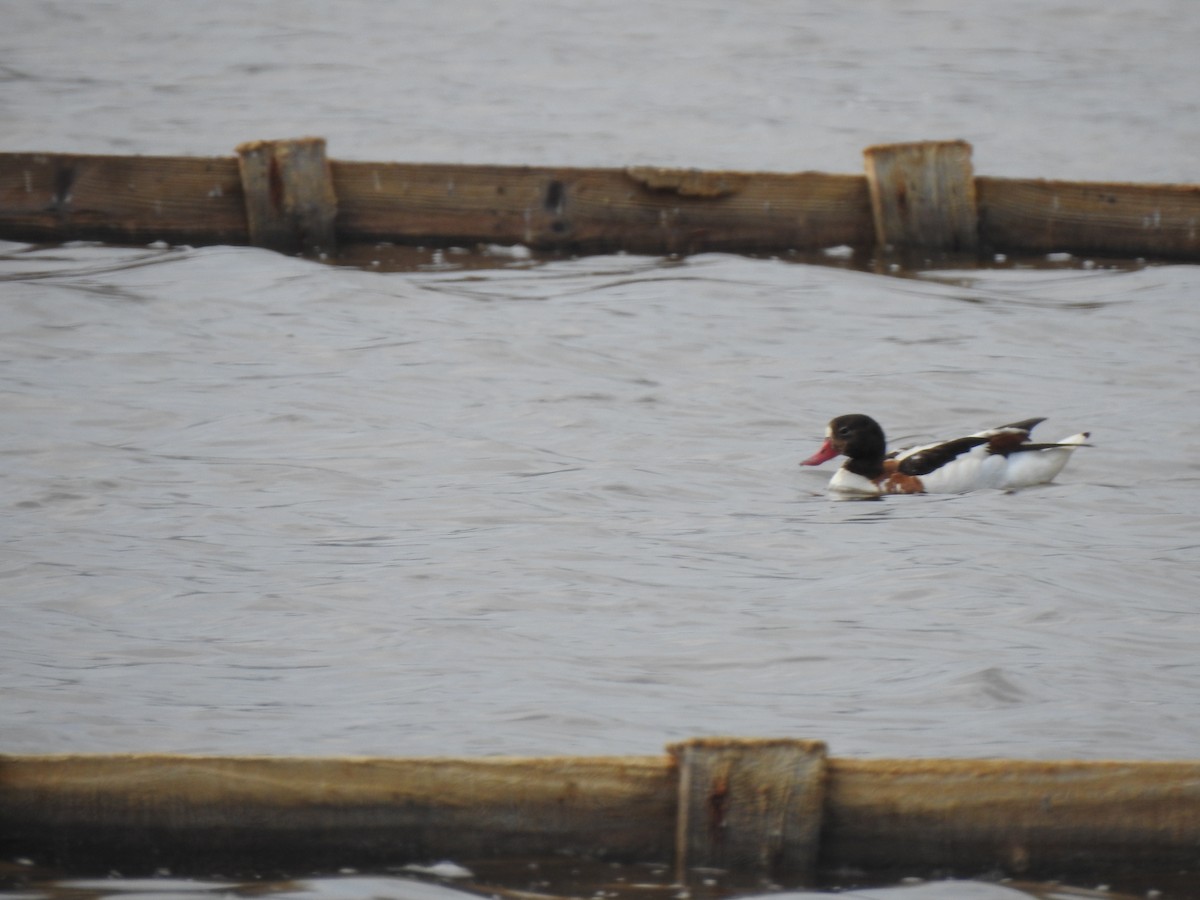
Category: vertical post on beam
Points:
column 290, row 201
column 751, row 807
column 923, row 196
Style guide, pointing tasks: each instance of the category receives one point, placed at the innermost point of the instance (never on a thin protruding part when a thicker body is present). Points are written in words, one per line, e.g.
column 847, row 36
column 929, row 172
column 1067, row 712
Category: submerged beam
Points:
column 773, row 809
column 921, row 197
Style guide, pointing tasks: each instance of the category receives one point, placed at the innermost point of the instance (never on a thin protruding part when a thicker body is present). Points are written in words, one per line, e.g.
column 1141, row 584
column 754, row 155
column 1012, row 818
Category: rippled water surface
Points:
column 1060, row 89
column 253, row 504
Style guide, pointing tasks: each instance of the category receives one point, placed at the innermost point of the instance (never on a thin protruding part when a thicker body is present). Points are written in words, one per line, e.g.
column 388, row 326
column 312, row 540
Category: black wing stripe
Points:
column 932, row 458
column 1026, row 425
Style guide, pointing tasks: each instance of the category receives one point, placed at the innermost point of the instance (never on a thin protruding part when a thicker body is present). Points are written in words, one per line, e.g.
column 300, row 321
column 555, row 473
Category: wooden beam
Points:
column 197, row 814
column 123, row 199
column 1014, row 816
column 88, row 814
column 1160, row 221
column 639, row 210
column 922, row 194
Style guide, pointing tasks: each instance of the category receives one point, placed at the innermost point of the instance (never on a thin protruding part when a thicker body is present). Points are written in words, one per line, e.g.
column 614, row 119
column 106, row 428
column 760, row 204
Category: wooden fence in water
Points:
column 759, row 809
column 287, row 196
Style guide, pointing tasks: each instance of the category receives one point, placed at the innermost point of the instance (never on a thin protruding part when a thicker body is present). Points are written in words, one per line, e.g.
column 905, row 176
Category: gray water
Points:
column 252, row 504
column 1058, row 89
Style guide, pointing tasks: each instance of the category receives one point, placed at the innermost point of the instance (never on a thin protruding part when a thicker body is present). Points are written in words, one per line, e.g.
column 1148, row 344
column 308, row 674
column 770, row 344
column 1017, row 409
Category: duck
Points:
column 1003, row 458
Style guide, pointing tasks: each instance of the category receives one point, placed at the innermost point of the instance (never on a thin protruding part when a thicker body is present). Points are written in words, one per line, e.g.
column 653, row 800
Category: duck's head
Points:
column 855, row 435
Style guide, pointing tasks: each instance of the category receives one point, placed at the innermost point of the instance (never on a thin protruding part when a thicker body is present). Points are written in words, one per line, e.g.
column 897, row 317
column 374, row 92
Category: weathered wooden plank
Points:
column 923, row 196
column 1014, row 816
column 134, row 199
column 56, row 197
column 290, row 200
column 600, row 210
column 126, row 199
column 1151, row 220
column 194, row 814
column 882, row 817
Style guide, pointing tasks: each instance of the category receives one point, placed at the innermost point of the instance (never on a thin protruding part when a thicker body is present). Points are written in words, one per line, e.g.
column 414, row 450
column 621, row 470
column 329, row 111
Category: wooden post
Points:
column 751, row 807
column 923, row 196
column 290, row 201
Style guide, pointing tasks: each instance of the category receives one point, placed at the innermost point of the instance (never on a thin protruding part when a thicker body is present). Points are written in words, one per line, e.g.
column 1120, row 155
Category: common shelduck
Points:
column 1001, row 457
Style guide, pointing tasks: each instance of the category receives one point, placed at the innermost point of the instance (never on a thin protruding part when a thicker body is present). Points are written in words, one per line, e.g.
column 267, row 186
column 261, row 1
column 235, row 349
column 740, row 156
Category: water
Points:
column 556, row 508
column 616, row 881
column 1042, row 89
column 252, row 504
